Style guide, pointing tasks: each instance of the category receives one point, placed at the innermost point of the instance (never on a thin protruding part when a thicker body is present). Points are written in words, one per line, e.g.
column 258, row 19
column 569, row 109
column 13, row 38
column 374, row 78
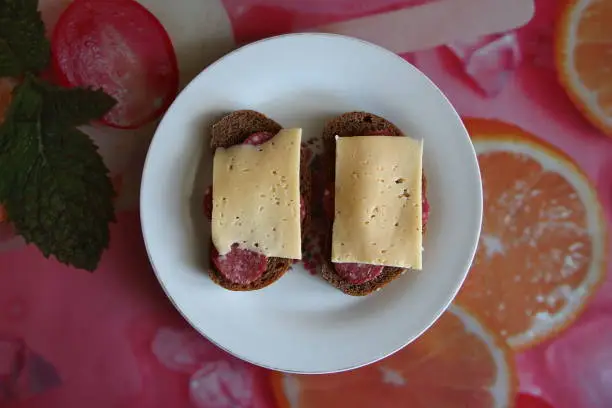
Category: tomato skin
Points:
column 81, row 32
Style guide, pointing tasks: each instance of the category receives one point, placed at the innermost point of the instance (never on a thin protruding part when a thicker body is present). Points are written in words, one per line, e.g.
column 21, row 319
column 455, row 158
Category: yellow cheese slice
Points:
column 256, row 197
column 378, row 209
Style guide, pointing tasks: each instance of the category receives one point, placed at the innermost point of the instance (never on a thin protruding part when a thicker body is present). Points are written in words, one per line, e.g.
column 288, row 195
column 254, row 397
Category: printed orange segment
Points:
column 541, row 251
column 583, row 54
column 457, row 363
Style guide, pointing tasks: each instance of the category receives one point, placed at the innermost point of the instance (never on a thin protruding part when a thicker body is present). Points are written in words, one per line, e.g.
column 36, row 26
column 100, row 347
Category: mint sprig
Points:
column 53, row 183
column 23, row 45
column 75, row 106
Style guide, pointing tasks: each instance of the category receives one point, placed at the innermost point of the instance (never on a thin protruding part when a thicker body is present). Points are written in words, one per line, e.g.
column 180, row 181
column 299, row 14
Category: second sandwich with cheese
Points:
column 378, row 203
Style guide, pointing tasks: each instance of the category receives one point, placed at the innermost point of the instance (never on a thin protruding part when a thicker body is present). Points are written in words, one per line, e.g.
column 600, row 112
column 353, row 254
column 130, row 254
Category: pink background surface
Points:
column 112, row 339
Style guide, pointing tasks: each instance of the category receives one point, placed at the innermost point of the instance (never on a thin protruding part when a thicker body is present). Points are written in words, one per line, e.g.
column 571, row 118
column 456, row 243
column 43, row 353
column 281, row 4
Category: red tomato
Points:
column 119, row 46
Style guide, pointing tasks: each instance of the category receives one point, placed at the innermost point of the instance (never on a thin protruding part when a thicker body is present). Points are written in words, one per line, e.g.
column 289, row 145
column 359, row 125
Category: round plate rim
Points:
column 475, row 234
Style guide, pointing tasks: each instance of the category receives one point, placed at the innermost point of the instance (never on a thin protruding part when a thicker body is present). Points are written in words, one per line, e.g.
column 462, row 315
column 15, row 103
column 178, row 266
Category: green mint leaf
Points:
column 23, row 45
column 75, row 106
column 16, row 149
column 9, row 63
column 54, row 185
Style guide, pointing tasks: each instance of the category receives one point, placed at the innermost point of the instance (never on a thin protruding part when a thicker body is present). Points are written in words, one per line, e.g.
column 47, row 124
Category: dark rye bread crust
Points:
column 356, row 124
column 233, row 129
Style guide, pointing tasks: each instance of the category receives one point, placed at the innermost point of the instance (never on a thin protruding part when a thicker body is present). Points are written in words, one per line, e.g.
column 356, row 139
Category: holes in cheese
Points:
column 378, row 208
column 256, row 196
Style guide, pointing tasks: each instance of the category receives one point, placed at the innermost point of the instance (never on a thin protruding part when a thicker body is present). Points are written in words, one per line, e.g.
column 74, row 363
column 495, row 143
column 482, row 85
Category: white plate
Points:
column 300, row 323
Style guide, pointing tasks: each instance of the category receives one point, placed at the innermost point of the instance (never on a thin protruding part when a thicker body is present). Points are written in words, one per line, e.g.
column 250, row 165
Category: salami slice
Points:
column 258, row 138
column 357, row 273
column 119, row 46
column 240, row 265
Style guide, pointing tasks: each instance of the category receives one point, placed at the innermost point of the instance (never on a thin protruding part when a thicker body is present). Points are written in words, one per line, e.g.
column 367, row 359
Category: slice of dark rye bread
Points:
column 233, row 129
column 356, row 124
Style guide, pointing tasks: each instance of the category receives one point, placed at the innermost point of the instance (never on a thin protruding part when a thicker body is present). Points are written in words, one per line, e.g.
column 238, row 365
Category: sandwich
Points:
column 375, row 202
column 260, row 192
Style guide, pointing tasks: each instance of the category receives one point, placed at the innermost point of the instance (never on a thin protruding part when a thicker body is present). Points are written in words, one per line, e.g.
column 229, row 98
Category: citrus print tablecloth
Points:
column 532, row 326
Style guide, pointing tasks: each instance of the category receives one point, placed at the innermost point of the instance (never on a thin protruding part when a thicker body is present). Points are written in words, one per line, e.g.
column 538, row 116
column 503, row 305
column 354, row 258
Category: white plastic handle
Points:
column 436, row 23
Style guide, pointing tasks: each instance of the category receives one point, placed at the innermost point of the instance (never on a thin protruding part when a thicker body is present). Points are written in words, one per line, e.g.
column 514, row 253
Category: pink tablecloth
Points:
column 112, row 339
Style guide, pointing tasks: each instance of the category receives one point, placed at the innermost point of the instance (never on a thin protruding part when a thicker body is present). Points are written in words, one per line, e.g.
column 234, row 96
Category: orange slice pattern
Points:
column 583, row 53
column 457, row 363
column 542, row 247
